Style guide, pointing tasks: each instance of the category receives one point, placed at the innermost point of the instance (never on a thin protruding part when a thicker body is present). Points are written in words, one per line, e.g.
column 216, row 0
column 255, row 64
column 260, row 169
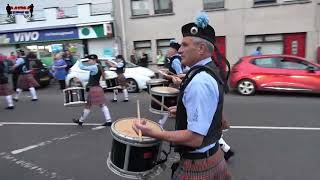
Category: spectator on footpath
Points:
column 257, row 52
column 59, row 69
column 133, row 57
column 69, row 59
column 144, row 60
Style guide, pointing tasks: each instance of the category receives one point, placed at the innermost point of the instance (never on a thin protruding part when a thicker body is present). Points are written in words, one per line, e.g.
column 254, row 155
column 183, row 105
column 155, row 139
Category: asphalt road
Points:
column 274, row 137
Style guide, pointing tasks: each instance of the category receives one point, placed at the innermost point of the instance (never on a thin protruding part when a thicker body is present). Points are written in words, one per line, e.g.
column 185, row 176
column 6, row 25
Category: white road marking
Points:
column 276, row 128
column 1, row 124
column 97, row 128
column 53, row 124
column 44, row 143
column 32, row 167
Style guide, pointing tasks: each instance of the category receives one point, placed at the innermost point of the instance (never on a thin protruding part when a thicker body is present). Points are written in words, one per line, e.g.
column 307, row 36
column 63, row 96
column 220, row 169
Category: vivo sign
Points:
column 26, row 36
column 43, row 35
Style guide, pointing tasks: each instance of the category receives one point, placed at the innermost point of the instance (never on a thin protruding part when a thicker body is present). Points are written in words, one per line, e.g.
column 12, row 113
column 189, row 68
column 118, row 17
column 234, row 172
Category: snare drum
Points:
column 130, row 157
column 74, row 96
column 154, row 83
column 111, row 83
column 166, row 95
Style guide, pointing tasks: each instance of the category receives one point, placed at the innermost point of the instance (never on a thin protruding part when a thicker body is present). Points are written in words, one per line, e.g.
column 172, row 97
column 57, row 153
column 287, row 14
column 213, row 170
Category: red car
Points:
column 284, row 73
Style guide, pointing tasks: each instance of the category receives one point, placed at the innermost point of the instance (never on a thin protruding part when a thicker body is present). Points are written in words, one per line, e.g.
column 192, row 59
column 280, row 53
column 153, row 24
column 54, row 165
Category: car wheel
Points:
column 132, row 86
column 246, row 87
column 74, row 83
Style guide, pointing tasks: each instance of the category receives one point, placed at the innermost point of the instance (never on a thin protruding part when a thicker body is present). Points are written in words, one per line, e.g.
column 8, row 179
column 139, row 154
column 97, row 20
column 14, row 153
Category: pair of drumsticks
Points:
column 138, row 112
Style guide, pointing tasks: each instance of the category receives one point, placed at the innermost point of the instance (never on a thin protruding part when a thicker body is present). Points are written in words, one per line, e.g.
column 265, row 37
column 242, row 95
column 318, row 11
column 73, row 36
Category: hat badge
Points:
column 194, row 30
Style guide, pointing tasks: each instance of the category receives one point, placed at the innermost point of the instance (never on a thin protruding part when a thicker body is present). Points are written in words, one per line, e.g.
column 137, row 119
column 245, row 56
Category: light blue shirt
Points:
column 92, row 68
column 176, row 65
column 256, row 53
column 21, row 61
column 201, row 98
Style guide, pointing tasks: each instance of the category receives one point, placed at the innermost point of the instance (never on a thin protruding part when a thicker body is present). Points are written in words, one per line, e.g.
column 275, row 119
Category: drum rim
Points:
column 73, row 88
column 129, row 174
column 133, row 140
column 108, row 78
column 149, row 82
column 161, row 93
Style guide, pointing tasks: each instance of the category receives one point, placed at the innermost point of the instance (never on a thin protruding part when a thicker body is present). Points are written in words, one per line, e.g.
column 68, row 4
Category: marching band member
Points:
column 96, row 93
column 5, row 89
column 120, row 68
column 25, row 79
column 199, row 109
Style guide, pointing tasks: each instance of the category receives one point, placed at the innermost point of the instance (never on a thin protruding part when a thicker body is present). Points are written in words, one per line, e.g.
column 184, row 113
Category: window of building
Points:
column 213, row 4
column 259, row 2
column 270, row 43
column 162, row 6
column 140, row 7
column 163, row 45
column 143, row 46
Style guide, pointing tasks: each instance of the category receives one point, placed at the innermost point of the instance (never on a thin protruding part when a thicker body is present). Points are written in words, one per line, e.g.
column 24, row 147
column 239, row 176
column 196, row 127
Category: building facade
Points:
column 278, row 26
column 82, row 28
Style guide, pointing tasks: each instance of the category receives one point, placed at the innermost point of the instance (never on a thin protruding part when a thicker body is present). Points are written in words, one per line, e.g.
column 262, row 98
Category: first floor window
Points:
column 140, row 7
column 213, row 4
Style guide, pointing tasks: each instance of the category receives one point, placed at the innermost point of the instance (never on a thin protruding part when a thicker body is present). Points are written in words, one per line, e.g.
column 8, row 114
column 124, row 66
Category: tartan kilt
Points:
column 96, row 96
column 122, row 80
column 5, row 90
column 212, row 168
column 26, row 81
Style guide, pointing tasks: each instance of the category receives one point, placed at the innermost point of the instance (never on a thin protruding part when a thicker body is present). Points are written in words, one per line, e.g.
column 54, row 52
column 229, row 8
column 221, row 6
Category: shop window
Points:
column 213, row 4
column 67, row 12
column 139, row 7
column 101, row 8
column 162, row 6
column 259, row 2
column 143, row 46
column 270, row 44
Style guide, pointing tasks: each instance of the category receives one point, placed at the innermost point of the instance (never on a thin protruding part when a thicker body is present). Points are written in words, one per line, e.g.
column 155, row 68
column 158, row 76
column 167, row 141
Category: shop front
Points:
column 46, row 42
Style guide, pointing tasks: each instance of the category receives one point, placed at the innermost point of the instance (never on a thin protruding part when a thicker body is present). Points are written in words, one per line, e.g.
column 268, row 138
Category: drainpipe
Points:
column 123, row 30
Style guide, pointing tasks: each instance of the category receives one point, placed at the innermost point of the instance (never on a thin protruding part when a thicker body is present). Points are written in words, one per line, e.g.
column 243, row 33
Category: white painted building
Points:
column 78, row 26
column 278, row 26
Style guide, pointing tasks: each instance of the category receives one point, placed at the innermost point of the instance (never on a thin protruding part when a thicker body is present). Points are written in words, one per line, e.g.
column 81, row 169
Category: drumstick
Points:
column 138, row 112
column 158, row 102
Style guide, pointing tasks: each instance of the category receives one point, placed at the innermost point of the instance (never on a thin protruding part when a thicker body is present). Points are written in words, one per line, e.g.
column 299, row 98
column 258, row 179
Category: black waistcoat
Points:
column 94, row 80
column 214, row 132
column 170, row 63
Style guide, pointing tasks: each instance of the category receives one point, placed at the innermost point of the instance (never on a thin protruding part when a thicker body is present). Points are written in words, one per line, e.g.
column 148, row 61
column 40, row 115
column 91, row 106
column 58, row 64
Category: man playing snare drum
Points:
column 96, row 93
column 199, row 109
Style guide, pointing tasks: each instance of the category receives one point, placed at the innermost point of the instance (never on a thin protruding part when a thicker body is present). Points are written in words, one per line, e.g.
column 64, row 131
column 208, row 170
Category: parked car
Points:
column 284, row 73
column 136, row 76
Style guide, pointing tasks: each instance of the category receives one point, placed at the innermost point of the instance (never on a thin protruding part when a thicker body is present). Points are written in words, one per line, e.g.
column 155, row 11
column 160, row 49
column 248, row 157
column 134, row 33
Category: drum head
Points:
column 122, row 128
column 164, row 90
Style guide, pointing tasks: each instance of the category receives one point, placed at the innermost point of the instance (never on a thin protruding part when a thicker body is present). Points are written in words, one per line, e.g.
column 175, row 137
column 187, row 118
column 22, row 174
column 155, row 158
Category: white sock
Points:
column 125, row 93
column 33, row 93
column 18, row 92
column 84, row 115
column 9, row 100
column 115, row 94
column 106, row 113
column 164, row 119
column 224, row 146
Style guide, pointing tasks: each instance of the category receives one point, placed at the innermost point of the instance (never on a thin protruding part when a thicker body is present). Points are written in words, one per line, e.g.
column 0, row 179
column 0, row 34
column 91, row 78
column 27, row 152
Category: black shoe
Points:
column 228, row 155
column 114, row 100
column 126, row 100
column 109, row 123
column 77, row 121
column 10, row 107
column 34, row 99
column 15, row 99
